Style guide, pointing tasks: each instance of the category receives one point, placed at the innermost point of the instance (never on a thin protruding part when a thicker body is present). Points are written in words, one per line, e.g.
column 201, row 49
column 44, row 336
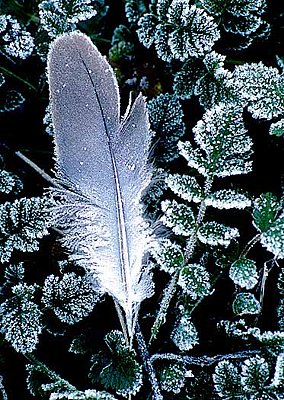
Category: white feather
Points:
column 102, row 162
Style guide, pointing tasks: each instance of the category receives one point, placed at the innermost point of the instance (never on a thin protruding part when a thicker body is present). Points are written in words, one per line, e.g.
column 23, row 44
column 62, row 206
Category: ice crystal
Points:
column 14, row 39
column 184, row 334
column 22, row 223
column 246, row 303
column 216, row 234
column 179, row 217
column 60, row 16
column 243, row 273
column 178, row 30
column 194, row 281
column 71, row 298
column 21, row 319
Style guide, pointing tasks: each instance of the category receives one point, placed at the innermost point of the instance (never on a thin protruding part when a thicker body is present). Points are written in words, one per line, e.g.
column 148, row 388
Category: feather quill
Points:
column 101, row 161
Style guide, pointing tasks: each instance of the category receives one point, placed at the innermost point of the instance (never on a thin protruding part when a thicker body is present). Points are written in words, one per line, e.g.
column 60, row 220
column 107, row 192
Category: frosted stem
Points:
column 250, row 245
column 170, row 290
column 148, row 364
column 2, row 389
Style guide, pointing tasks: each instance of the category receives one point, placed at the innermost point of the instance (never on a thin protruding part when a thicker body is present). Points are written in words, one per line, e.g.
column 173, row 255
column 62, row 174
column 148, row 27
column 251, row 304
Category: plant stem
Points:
column 10, row 73
column 170, row 289
column 148, row 364
column 2, row 389
column 250, row 245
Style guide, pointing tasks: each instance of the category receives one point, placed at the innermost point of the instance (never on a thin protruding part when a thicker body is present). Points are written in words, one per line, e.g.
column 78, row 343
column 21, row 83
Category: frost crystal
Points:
column 172, row 377
column 60, row 16
column 255, row 373
column 21, row 319
column 185, row 335
column 9, row 182
column 179, row 30
column 195, row 281
column 278, row 379
column 243, row 273
column 72, row 298
column 16, row 41
column 277, row 128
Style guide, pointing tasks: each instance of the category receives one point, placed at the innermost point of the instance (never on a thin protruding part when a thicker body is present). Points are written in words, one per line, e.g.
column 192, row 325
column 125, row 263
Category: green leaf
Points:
column 246, row 303
column 168, row 255
column 194, row 281
column 277, row 128
column 216, row 234
column 172, row 377
column 117, row 369
column 243, row 273
column 265, row 209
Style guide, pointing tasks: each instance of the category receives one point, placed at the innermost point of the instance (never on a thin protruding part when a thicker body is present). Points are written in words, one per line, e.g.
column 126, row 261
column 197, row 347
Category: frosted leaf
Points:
column 262, row 88
column 14, row 274
column 273, row 238
column 254, row 375
column 16, row 41
column 273, row 341
column 243, row 273
column 58, row 16
column 278, row 378
column 117, row 369
column 2, row 79
column 227, row 199
column 227, row 381
column 194, row 281
column 20, row 320
column 216, row 234
column 184, row 334
column 265, row 210
column 277, row 128
column 168, row 255
column 185, row 186
column 22, row 223
column 222, row 136
column 10, row 100
column 88, row 394
column 246, row 303
column 185, row 79
column 179, row 30
column 9, row 182
column 179, row 217
column 134, row 9
column 172, row 377
column 71, row 298
column 166, row 119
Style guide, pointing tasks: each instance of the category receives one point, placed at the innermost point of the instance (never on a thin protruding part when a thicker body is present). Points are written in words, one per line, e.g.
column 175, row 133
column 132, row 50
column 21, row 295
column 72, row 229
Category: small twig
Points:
column 7, row 72
column 204, row 361
column 148, row 364
column 40, row 171
column 250, row 245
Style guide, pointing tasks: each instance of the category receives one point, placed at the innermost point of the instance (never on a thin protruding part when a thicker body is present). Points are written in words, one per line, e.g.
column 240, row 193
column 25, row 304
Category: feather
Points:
column 101, row 162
